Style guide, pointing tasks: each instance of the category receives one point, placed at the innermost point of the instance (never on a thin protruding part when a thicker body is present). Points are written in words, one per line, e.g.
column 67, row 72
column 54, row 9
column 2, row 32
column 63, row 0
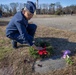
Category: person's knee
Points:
column 10, row 37
column 34, row 26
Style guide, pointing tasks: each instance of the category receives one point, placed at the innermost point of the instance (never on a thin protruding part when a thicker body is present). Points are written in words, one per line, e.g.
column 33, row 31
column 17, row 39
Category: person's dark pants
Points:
column 31, row 31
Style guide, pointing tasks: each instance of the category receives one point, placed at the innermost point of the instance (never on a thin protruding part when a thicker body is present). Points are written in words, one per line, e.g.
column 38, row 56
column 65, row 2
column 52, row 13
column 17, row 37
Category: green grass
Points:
column 1, row 32
column 5, row 47
column 2, row 41
column 4, row 50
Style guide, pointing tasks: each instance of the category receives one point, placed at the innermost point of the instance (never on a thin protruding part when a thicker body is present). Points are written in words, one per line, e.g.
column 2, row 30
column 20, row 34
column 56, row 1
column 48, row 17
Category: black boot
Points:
column 14, row 44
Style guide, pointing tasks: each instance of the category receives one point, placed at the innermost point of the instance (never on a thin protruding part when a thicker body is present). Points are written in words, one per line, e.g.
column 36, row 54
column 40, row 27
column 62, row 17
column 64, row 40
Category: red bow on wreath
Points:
column 43, row 52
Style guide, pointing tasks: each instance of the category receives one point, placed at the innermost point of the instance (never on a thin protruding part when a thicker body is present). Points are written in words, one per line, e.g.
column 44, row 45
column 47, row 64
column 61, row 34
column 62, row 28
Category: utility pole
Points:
column 37, row 4
column 36, row 7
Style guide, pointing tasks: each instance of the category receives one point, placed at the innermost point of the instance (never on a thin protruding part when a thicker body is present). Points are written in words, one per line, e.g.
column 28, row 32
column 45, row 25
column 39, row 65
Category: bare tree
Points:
column 52, row 6
column 7, row 8
column 44, row 8
column 21, row 5
column 70, row 9
column 14, row 7
column 1, row 10
column 1, row 7
column 59, row 9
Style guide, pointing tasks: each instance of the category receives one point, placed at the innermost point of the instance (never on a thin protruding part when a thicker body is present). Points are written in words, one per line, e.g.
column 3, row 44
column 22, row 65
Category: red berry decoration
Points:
column 43, row 52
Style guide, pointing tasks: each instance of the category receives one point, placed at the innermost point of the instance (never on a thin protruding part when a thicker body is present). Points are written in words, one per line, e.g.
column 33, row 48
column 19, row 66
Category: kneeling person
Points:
column 18, row 28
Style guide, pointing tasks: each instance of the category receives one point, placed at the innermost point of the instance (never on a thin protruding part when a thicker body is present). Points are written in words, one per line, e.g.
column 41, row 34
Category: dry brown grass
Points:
column 12, row 62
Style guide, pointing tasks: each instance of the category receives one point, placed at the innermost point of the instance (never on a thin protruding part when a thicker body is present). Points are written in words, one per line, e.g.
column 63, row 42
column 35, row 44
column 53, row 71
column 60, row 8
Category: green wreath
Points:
column 49, row 49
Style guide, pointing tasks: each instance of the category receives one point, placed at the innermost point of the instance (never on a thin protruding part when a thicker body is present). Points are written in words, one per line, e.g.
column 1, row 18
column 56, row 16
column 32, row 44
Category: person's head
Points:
column 29, row 10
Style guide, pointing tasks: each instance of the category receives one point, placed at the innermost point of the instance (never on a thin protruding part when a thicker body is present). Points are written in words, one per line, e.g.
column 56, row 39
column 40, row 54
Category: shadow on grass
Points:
column 26, row 45
column 59, row 45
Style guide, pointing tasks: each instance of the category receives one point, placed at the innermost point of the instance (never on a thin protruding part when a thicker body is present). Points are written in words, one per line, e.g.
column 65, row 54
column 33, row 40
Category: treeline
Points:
column 56, row 9
column 11, row 9
column 52, row 8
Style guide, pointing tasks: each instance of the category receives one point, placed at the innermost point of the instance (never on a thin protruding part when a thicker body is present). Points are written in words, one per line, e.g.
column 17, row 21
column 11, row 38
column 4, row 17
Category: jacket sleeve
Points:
column 23, row 33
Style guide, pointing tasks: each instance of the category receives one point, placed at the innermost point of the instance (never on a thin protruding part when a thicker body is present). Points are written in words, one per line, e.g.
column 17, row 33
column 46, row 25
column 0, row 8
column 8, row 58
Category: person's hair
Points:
column 25, row 9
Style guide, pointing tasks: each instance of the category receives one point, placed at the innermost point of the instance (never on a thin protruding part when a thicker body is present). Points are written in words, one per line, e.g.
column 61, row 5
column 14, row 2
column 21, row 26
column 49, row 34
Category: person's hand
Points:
column 40, row 48
column 37, row 48
column 30, row 22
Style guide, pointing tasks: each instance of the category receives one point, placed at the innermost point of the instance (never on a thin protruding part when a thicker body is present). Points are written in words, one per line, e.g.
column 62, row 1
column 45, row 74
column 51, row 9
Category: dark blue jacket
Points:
column 18, row 24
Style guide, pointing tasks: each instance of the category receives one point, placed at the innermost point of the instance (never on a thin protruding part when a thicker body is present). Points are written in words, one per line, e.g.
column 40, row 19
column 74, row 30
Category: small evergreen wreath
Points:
column 47, row 52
